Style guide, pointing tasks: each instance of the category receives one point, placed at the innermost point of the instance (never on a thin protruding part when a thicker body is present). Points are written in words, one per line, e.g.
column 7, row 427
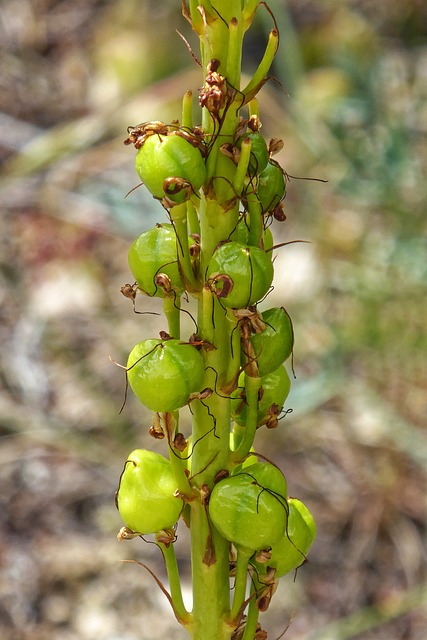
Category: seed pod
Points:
column 145, row 497
column 154, row 252
column 268, row 240
column 241, row 232
column 163, row 373
column 273, row 345
column 248, row 270
column 291, row 550
column 241, row 235
column 271, row 186
column 249, row 508
column 164, row 157
column 275, row 387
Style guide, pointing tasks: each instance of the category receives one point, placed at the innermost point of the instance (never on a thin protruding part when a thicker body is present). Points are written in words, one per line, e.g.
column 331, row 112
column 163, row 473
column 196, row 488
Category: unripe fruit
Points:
column 163, row 373
column 154, row 252
column 145, row 497
column 273, row 345
column 275, row 389
column 241, row 232
column 249, row 508
column 291, row 550
column 172, row 156
column 248, row 271
column 268, row 240
column 241, row 235
column 271, row 186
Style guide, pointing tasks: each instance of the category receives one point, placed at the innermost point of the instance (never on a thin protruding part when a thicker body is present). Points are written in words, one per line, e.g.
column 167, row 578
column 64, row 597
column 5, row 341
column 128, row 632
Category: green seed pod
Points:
column 240, row 275
column 271, row 186
column 163, row 373
column 154, row 252
column 241, row 232
column 306, row 514
column 249, row 508
column 241, row 235
column 273, row 345
column 275, row 389
column 291, row 550
column 268, row 240
column 259, row 152
column 145, row 497
column 163, row 157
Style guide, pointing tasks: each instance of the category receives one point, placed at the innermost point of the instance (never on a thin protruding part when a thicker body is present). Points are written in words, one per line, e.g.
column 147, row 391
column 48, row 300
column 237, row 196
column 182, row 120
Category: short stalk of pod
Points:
column 240, row 275
column 291, row 550
column 164, row 373
column 275, row 387
column 259, row 152
column 145, row 497
column 152, row 253
column 249, row 460
column 171, row 167
column 249, row 508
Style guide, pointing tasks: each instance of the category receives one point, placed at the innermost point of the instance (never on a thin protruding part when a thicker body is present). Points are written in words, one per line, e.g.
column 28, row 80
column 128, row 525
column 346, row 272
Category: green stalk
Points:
column 209, row 559
column 249, row 12
column 242, row 167
column 218, row 213
column 187, row 110
column 234, row 361
column 178, row 216
column 252, row 386
column 260, row 74
column 171, row 309
column 240, row 582
column 252, row 616
column 181, row 613
column 193, row 219
column 234, row 55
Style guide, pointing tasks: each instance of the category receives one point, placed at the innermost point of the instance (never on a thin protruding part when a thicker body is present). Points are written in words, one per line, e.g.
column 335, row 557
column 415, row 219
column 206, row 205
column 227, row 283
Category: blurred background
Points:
column 74, row 75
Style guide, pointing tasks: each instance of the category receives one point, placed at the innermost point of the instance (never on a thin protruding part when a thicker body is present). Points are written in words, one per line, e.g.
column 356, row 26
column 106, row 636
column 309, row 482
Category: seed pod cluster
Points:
column 215, row 250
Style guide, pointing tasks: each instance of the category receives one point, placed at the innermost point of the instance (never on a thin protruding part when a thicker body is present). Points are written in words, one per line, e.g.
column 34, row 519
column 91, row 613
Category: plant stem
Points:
column 209, row 559
column 240, row 582
column 212, row 217
column 252, row 616
column 252, row 386
column 179, row 217
column 171, row 309
column 221, row 39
